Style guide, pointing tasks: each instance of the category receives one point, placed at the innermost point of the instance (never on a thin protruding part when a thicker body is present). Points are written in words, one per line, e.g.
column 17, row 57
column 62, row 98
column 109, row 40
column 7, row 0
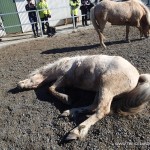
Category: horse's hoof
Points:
column 65, row 113
column 71, row 136
column 127, row 41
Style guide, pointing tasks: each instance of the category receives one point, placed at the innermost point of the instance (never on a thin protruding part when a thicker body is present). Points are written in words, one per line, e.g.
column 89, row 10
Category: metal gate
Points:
column 9, row 6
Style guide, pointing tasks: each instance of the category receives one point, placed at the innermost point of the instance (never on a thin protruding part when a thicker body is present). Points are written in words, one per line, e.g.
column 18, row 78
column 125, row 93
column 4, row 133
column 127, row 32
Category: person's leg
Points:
column 75, row 20
column 86, row 18
column 46, row 20
column 83, row 20
column 43, row 28
column 36, row 26
column 83, row 17
column 32, row 24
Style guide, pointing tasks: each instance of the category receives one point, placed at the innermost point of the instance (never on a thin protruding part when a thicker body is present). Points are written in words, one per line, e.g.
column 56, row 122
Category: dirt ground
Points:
column 29, row 120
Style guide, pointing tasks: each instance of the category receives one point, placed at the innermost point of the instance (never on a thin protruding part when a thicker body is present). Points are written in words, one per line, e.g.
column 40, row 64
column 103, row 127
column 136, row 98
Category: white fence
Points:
column 57, row 17
column 51, row 21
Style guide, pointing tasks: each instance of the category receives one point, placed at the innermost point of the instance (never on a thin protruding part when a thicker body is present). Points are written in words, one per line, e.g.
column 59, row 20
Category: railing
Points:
column 38, row 18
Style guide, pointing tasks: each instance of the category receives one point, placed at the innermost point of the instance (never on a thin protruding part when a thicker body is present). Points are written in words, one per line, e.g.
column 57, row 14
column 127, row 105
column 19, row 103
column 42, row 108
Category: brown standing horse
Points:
column 129, row 13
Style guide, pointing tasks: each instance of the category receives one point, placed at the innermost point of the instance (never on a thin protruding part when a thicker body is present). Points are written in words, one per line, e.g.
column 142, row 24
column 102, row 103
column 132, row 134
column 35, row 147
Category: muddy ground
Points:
column 29, row 120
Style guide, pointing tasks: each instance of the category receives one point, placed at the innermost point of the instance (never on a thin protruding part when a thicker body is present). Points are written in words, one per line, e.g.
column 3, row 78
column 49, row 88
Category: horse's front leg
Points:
column 127, row 33
column 60, row 82
column 103, row 109
column 140, row 29
column 32, row 82
column 141, row 33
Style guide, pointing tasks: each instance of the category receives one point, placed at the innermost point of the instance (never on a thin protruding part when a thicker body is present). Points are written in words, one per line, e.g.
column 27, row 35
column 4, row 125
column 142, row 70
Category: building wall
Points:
column 20, row 4
column 60, row 10
column 2, row 32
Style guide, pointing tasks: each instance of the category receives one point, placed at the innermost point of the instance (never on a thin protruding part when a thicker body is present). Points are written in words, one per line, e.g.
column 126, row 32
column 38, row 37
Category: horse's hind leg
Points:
column 60, row 82
column 101, row 38
column 102, row 24
column 32, row 82
column 103, row 108
column 87, row 109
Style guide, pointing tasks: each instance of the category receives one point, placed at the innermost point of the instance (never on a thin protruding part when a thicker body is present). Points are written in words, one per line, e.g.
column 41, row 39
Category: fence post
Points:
column 73, row 21
column 39, row 20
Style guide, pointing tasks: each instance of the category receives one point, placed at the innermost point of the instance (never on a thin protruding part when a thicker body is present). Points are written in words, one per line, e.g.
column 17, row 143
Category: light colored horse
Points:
column 129, row 13
column 109, row 76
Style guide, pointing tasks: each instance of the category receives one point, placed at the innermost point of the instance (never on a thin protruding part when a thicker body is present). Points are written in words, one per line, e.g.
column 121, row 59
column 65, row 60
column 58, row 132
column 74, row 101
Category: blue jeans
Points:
column 33, row 21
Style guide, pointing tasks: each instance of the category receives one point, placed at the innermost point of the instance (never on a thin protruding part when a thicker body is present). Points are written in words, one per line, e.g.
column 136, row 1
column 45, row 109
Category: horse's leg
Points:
column 101, row 38
column 91, row 108
column 32, row 82
column 141, row 32
column 127, row 33
column 102, row 24
column 104, row 102
column 140, row 29
column 60, row 82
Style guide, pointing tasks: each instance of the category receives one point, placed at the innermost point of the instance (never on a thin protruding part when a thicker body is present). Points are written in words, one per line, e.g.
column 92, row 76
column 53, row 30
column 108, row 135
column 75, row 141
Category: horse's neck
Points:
column 56, row 69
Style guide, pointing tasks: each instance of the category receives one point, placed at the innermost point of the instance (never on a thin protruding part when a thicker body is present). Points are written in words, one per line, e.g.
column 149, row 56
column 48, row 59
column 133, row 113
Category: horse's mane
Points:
column 143, row 5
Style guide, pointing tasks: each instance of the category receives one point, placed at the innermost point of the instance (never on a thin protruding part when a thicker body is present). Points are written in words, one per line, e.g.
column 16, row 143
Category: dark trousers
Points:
column 33, row 21
column 75, row 20
column 43, row 26
column 84, row 18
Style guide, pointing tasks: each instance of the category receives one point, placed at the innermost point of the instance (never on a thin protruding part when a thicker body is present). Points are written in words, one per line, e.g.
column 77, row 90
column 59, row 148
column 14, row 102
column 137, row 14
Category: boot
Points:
column 83, row 24
column 86, row 21
column 35, row 36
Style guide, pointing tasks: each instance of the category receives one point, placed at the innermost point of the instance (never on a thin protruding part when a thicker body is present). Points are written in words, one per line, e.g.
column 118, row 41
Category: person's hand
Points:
column 49, row 16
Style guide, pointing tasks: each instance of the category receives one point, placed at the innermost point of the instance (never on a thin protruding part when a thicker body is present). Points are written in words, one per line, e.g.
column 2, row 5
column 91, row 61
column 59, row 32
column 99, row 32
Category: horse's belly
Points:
column 85, row 80
column 88, row 85
column 118, row 22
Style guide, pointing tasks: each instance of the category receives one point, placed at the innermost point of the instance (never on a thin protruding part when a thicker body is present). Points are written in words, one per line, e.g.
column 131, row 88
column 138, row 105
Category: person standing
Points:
column 74, row 4
column 32, row 17
column 44, row 14
column 85, row 6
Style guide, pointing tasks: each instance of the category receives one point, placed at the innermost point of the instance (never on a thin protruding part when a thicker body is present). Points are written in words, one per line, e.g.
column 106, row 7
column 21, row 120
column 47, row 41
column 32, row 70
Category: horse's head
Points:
column 145, row 31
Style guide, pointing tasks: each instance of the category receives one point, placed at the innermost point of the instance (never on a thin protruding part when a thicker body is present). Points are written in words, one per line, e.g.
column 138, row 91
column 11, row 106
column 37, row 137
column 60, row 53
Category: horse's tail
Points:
column 146, row 10
column 95, row 23
column 134, row 101
column 93, row 19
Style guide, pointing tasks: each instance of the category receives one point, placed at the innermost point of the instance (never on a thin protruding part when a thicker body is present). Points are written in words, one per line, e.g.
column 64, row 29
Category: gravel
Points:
column 29, row 120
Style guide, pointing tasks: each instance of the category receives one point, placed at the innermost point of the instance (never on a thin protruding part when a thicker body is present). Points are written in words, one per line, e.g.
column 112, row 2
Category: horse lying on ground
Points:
column 129, row 13
column 111, row 77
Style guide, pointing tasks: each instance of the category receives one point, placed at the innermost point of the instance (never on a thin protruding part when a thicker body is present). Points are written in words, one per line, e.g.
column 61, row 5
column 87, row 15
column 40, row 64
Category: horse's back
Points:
column 118, row 13
column 89, row 71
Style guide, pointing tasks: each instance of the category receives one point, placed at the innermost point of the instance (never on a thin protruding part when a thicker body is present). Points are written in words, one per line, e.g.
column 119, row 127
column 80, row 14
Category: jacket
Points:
column 30, row 8
column 74, row 4
column 43, row 5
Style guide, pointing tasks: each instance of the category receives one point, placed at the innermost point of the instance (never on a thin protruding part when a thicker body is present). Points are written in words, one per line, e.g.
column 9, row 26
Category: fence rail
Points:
column 38, row 18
